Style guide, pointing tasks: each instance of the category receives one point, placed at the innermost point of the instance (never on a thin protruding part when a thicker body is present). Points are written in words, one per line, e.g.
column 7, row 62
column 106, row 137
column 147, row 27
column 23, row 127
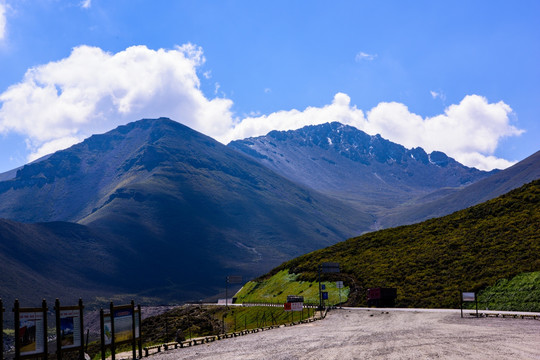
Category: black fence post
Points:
column 81, row 317
column 113, row 350
column 58, row 333
column 45, row 345
column 102, row 335
column 140, row 330
column 133, row 338
column 1, row 330
column 461, row 303
column 17, row 326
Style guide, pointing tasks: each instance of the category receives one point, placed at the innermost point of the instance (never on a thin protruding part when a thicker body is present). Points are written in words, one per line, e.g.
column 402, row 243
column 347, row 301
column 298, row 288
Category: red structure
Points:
column 381, row 297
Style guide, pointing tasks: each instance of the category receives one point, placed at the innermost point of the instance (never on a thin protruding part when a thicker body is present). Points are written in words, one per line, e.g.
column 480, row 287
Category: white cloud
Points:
column 364, row 56
column 339, row 110
column 2, row 20
column 86, row 4
column 93, row 91
column 468, row 132
column 440, row 95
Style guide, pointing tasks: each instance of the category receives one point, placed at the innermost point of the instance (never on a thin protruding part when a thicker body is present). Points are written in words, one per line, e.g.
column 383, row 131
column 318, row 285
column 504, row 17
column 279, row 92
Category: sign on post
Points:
column 339, row 284
column 327, row 267
column 330, row 267
column 294, row 303
column 69, row 328
column 234, row 279
column 120, row 326
column 30, row 331
column 469, row 297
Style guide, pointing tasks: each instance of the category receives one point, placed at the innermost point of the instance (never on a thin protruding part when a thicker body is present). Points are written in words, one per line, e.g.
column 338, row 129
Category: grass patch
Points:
column 276, row 288
column 520, row 293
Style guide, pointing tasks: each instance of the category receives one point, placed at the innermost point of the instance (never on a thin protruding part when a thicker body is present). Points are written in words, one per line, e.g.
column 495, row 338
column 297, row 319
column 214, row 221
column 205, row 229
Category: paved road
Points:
column 380, row 334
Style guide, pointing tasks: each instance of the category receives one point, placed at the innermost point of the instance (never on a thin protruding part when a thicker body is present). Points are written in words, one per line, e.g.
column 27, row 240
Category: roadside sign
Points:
column 295, row 298
column 339, row 284
column 469, row 297
column 325, row 295
column 323, row 286
column 330, row 267
column 287, row 306
column 234, row 279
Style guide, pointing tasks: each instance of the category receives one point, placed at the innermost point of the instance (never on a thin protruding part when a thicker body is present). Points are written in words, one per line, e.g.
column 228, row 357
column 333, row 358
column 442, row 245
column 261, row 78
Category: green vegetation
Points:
column 276, row 288
column 521, row 293
column 431, row 262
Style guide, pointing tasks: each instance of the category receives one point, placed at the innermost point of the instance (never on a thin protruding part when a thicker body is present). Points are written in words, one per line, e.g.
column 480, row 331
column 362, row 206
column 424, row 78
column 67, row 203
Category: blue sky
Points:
column 457, row 76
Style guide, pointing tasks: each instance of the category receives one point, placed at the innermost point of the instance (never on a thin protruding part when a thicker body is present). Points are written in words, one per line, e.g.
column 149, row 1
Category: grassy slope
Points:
column 276, row 288
column 431, row 262
column 521, row 293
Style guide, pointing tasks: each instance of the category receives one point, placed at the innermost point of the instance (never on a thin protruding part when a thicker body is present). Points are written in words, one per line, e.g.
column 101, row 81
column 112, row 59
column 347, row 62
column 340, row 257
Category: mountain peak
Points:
column 342, row 161
column 347, row 141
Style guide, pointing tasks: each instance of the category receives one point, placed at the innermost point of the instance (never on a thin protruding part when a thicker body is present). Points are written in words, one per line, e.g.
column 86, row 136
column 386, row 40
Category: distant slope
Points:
column 182, row 210
column 431, row 262
column 500, row 183
column 44, row 261
column 372, row 173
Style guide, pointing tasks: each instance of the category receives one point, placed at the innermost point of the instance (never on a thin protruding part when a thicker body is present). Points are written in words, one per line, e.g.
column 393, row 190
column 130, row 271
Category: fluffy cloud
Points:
column 92, row 91
column 2, row 20
column 339, row 110
column 468, row 132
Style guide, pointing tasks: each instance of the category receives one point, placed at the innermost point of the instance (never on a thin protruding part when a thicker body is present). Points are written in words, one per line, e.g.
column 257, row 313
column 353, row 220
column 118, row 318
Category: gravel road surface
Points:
column 362, row 334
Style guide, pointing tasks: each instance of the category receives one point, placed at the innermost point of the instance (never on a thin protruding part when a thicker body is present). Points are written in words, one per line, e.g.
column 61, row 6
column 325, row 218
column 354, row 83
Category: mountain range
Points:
column 373, row 174
column 159, row 211
column 176, row 210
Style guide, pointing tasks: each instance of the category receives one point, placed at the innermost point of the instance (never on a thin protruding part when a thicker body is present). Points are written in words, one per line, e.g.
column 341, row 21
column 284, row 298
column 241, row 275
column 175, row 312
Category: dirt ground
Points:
column 374, row 334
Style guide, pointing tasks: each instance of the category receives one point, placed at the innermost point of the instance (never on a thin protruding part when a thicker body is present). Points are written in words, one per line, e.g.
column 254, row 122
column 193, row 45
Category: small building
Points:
column 381, row 297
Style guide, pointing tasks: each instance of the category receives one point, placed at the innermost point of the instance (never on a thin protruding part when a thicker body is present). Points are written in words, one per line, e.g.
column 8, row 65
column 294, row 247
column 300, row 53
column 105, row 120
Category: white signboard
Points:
column 339, row 284
column 297, row 306
column 70, row 328
column 468, row 296
column 31, row 333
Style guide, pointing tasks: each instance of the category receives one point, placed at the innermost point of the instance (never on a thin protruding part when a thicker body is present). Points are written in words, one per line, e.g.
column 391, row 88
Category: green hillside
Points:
column 521, row 293
column 431, row 262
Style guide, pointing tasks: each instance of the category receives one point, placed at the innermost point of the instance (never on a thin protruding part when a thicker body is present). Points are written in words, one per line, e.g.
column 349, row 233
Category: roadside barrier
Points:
column 212, row 338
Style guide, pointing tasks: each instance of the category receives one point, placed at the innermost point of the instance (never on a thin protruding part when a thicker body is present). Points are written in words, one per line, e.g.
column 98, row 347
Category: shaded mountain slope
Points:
column 45, row 261
column 431, row 262
column 181, row 211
